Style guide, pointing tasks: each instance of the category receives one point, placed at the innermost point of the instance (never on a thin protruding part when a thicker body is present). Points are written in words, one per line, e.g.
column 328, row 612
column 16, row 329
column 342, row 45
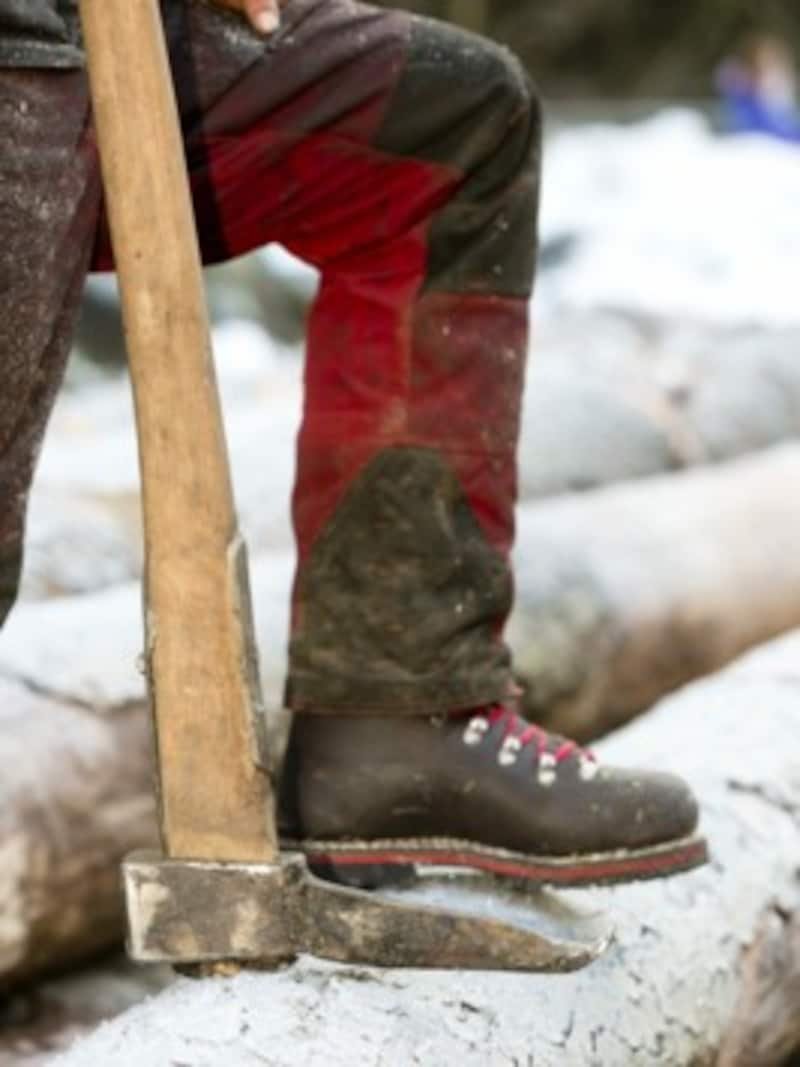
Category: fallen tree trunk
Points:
column 705, row 969
column 75, row 795
column 87, row 649
column 76, row 792
column 625, row 593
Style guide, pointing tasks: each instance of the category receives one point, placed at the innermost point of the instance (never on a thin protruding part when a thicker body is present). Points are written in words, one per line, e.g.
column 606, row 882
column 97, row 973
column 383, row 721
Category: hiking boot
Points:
column 363, row 797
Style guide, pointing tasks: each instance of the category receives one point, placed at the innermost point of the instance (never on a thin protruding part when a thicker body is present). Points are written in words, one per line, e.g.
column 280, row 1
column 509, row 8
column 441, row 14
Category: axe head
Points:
column 215, row 915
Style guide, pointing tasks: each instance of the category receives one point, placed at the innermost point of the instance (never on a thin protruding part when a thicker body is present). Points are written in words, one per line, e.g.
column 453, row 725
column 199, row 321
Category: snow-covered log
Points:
column 611, row 398
column 704, row 969
column 625, row 593
column 87, row 649
column 75, row 796
column 76, row 789
column 84, row 530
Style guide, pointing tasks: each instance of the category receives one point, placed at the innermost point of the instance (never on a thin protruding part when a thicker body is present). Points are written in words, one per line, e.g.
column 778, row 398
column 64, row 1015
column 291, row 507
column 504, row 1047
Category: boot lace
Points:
column 519, row 736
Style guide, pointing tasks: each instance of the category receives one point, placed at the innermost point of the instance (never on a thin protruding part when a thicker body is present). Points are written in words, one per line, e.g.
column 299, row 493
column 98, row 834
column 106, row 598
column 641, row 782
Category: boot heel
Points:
column 367, row 876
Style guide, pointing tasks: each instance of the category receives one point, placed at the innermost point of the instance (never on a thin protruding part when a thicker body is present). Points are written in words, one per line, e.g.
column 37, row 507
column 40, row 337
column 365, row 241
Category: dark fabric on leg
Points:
column 49, row 196
column 436, row 601
column 457, row 363
column 401, row 580
column 400, row 156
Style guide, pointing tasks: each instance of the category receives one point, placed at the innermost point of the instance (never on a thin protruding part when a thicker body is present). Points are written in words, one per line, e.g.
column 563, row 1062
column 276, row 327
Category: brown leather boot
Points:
column 484, row 790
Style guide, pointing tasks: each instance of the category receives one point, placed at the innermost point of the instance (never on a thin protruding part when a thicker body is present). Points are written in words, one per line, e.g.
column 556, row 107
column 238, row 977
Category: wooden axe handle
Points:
column 215, row 802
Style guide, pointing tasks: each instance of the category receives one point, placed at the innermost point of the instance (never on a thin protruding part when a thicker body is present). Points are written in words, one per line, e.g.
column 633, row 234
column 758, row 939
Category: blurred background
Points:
column 659, row 460
column 622, row 48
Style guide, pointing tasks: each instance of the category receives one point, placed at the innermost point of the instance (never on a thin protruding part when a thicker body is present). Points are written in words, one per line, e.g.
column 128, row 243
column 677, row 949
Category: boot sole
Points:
column 346, row 858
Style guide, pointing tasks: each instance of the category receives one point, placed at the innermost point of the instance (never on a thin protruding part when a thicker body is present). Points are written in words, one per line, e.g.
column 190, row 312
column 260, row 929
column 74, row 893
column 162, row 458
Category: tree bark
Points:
column 704, row 969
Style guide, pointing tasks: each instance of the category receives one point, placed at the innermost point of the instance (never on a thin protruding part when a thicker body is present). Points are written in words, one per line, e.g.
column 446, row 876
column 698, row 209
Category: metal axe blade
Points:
column 264, row 915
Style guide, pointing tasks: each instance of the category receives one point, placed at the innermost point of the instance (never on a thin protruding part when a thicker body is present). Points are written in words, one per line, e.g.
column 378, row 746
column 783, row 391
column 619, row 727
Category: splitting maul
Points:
column 222, row 893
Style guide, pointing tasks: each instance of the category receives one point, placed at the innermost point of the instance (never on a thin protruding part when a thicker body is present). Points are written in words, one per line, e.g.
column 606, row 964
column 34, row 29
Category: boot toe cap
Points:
column 649, row 808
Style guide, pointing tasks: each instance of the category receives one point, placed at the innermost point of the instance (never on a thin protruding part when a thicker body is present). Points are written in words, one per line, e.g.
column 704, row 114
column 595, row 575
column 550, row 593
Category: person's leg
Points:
column 49, row 196
column 401, row 157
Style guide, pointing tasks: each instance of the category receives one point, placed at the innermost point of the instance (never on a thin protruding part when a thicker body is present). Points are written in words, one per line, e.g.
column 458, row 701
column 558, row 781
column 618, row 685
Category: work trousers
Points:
column 400, row 156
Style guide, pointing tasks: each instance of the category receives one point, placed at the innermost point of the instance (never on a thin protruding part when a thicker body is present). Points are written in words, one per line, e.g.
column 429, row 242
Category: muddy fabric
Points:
column 39, row 33
column 401, row 595
column 400, row 156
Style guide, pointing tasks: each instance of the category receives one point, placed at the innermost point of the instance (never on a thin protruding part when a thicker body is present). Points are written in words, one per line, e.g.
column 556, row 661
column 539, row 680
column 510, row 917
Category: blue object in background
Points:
column 749, row 110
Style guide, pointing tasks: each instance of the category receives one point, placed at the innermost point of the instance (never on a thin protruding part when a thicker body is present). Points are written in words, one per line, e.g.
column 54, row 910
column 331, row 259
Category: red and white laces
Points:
column 549, row 750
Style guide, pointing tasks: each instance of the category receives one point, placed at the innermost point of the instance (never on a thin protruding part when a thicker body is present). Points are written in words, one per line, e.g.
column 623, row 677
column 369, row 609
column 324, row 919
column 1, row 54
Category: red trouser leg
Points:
column 400, row 156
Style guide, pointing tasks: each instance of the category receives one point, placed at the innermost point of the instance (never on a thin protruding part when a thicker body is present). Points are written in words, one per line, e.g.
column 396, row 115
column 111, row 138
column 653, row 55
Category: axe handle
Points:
column 215, row 803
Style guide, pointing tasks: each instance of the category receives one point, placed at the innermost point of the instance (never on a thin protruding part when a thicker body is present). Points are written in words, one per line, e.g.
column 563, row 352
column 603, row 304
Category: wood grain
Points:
column 215, row 803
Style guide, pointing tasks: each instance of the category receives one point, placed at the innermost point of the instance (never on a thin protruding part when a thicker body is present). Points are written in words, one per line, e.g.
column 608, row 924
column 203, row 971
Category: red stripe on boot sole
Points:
column 640, row 864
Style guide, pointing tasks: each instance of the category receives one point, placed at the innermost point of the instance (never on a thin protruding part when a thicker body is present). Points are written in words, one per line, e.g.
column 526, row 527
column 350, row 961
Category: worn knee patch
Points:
column 402, row 598
column 467, row 104
column 456, row 97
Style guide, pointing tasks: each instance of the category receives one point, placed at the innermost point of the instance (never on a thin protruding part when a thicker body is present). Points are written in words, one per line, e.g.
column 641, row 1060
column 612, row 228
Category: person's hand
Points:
column 263, row 15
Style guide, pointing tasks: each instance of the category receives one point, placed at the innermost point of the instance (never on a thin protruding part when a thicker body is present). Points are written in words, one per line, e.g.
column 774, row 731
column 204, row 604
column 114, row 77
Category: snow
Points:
column 297, row 277
column 671, row 219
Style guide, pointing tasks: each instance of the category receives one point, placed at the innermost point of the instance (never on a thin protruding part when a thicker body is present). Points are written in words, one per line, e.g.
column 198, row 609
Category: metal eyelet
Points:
column 548, row 769
column 476, row 730
column 588, row 768
column 509, row 751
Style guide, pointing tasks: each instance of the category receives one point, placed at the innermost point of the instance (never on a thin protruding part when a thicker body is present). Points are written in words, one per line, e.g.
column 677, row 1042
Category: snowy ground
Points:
column 658, row 237
column 670, row 220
